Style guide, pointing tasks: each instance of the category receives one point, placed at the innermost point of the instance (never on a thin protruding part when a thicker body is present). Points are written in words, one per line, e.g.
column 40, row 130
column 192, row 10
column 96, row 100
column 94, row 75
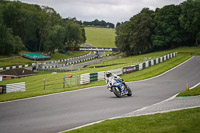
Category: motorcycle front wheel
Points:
column 117, row 91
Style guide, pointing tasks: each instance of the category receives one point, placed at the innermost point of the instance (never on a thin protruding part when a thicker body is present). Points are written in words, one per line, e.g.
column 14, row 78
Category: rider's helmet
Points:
column 108, row 74
column 115, row 76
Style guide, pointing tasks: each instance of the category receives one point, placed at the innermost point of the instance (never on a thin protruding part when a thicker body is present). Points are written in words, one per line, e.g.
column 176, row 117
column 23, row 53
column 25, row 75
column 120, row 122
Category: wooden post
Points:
column 64, row 82
column 44, row 84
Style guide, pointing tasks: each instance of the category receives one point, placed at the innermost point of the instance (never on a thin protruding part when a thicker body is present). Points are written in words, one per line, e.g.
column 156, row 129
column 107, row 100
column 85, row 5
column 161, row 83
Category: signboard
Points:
column 93, row 49
column 1, row 89
column 70, row 75
column 128, row 69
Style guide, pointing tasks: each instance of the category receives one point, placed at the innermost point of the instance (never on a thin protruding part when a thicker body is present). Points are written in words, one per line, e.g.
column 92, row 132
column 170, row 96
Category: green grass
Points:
column 184, row 121
column 34, row 84
column 192, row 92
column 24, row 61
column 16, row 61
column 156, row 69
column 100, row 37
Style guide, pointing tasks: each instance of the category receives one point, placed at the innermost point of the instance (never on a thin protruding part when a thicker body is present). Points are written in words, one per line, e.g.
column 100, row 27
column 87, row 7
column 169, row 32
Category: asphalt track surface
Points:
column 59, row 112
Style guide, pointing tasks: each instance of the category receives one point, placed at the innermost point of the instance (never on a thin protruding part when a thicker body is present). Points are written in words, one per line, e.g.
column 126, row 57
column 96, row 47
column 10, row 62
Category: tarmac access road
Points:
column 59, row 112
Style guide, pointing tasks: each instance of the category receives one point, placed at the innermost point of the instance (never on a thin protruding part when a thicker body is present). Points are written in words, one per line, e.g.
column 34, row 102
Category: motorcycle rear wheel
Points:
column 129, row 91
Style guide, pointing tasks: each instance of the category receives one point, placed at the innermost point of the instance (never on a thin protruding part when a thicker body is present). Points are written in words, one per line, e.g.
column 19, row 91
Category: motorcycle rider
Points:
column 109, row 76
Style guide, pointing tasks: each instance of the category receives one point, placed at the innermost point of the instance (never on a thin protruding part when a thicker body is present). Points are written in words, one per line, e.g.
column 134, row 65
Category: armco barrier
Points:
column 147, row 64
column 89, row 77
column 93, row 77
column 140, row 66
column 15, row 87
column 85, row 78
column 101, row 75
column 117, row 71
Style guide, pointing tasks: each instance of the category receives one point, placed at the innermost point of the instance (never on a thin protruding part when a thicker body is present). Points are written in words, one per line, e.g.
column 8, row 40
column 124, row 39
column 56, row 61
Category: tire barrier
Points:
column 90, row 77
column 53, row 64
column 66, row 62
column 19, row 66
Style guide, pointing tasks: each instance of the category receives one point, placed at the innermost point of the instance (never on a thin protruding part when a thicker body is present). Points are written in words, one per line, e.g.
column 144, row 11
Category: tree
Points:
column 9, row 43
column 121, row 40
column 55, row 39
column 118, row 24
column 167, row 33
column 24, row 20
column 134, row 36
column 190, row 19
column 74, row 34
column 38, row 28
column 49, row 18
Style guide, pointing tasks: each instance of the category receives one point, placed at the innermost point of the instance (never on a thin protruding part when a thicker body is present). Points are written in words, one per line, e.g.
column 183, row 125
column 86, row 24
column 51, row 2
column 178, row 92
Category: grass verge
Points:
column 192, row 92
column 34, row 84
column 100, row 37
column 156, row 69
column 173, row 122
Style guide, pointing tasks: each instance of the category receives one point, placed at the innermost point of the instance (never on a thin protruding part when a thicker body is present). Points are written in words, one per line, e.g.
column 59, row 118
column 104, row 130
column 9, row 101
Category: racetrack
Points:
column 67, row 110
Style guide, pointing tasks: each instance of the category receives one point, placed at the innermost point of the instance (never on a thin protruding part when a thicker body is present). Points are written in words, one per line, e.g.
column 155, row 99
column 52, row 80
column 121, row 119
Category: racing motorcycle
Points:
column 119, row 88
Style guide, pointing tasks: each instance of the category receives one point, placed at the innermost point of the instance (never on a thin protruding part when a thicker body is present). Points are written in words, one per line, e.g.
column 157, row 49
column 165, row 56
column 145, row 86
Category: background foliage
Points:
column 35, row 28
column 164, row 28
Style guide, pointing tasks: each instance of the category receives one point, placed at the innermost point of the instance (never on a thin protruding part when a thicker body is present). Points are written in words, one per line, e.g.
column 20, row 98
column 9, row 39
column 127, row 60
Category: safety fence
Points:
column 90, row 77
column 8, row 88
column 68, row 80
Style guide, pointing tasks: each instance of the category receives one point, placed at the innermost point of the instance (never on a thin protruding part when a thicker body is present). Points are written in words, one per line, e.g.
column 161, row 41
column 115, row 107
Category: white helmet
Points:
column 108, row 74
column 115, row 76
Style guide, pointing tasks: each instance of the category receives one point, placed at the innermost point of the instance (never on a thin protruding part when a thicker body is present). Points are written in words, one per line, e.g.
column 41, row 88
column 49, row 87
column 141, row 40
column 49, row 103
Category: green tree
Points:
column 38, row 27
column 49, row 18
column 167, row 32
column 74, row 34
column 9, row 43
column 190, row 19
column 24, row 20
column 55, row 39
column 18, row 45
column 121, row 40
column 141, row 31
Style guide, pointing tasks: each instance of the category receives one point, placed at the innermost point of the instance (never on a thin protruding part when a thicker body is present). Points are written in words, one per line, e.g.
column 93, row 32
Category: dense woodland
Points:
column 34, row 28
column 164, row 28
